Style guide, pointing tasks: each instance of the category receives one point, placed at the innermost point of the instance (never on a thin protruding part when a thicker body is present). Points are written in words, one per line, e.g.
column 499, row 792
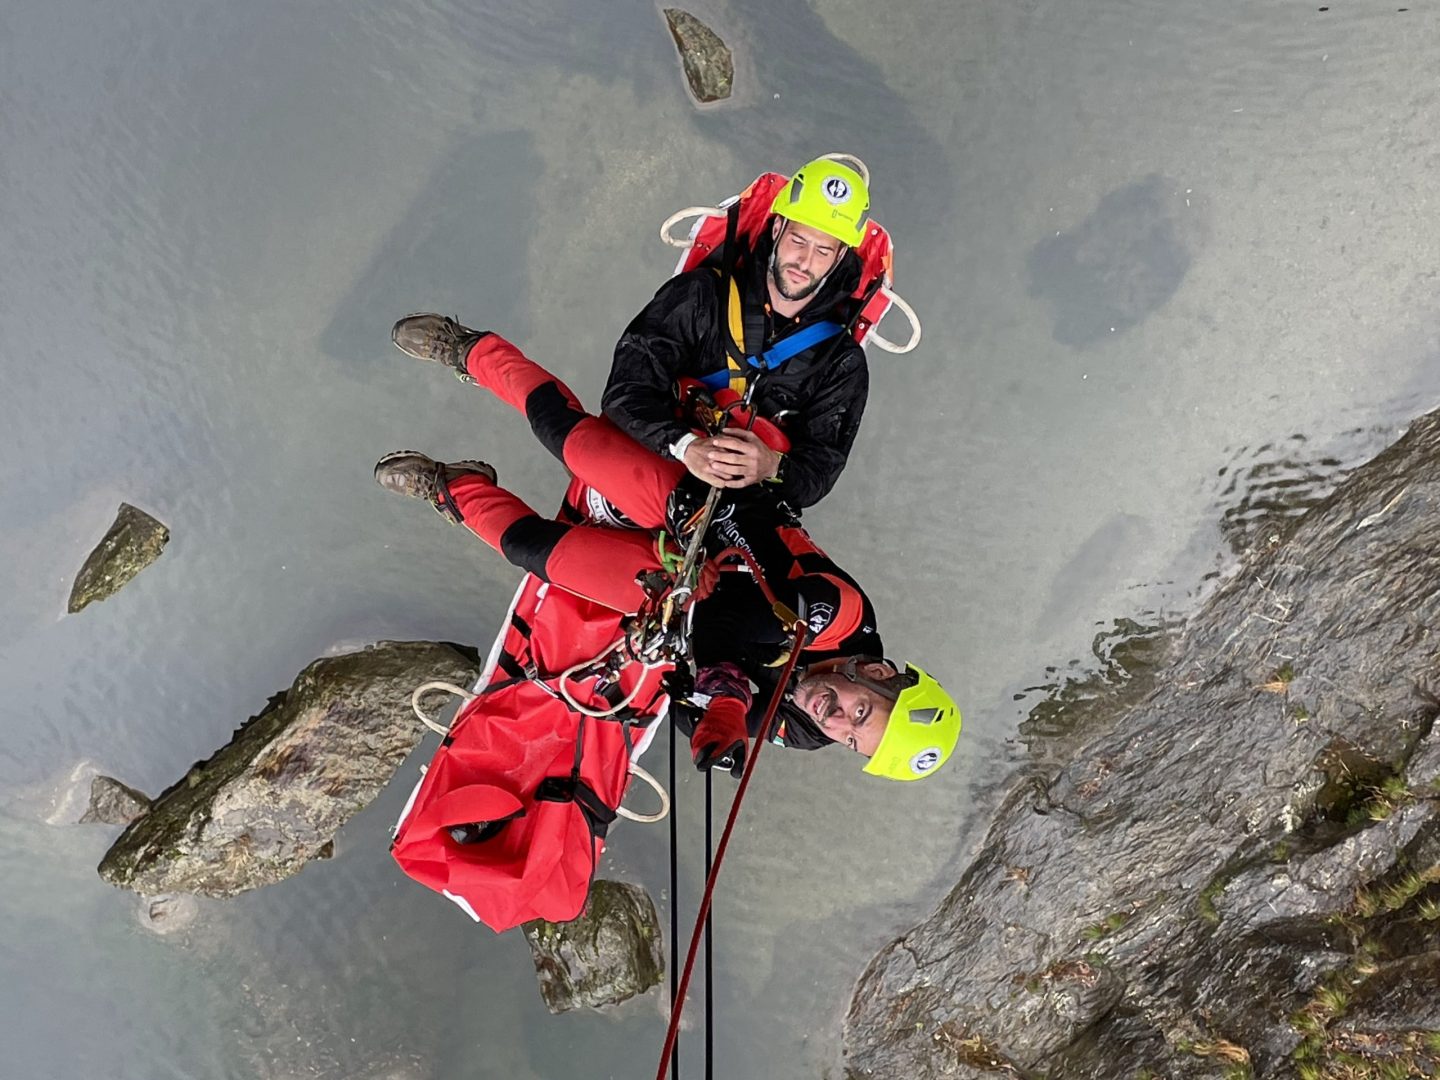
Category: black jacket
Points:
column 735, row 627
column 683, row 331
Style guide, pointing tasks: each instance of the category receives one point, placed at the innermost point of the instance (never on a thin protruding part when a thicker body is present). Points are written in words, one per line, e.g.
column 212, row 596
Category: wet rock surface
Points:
column 134, row 541
column 273, row 798
column 709, row 67
column 611, row 953
column 1241, row 875
column 113, row 803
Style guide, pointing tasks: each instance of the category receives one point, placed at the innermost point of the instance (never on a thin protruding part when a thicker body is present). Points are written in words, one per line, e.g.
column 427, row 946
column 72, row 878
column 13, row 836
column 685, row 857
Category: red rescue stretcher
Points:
column 510, row 818
column 524, row 775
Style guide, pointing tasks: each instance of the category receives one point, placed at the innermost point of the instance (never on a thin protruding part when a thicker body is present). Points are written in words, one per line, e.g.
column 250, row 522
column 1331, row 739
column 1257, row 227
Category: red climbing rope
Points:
column 761, row 738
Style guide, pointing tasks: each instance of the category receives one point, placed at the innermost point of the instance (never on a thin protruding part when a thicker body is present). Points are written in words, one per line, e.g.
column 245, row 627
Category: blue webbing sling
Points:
column 781, row 351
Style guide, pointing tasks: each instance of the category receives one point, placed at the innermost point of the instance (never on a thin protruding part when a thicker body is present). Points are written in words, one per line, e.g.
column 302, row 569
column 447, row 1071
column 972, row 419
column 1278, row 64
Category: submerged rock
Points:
column 611, row 953
column 113, row 803
column 1242, row 875
column 709, row 67
column 168, row 914
column 133, row 543
column 274, row 797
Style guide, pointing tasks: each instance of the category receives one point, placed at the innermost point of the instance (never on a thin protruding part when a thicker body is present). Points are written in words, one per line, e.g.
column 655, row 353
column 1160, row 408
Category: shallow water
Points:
column 213, row 212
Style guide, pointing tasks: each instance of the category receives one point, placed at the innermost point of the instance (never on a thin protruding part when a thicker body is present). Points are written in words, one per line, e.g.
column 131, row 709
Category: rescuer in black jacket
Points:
column 801, row 272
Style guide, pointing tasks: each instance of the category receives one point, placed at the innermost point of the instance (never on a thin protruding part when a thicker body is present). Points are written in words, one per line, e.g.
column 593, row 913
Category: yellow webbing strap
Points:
column 737, row 335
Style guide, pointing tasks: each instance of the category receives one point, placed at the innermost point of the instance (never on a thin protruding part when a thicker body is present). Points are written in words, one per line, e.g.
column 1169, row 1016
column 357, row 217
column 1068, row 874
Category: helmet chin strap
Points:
column 888, row 688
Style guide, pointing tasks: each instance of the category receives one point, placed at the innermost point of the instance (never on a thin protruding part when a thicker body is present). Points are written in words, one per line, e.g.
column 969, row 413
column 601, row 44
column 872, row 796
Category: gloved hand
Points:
column 721, row 738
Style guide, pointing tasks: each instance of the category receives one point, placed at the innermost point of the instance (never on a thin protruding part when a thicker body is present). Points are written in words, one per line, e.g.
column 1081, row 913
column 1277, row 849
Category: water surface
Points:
column 1154, row 248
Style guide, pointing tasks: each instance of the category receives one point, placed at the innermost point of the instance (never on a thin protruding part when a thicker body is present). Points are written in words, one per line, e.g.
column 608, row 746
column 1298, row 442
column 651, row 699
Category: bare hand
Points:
column 736, row 458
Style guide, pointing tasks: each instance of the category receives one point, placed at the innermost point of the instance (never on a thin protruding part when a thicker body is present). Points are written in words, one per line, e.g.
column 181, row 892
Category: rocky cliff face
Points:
column 1241, row 877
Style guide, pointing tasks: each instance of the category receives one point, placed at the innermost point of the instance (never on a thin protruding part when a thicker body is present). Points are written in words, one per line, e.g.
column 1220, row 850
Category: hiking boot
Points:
column 434, row 337
column 409, row 472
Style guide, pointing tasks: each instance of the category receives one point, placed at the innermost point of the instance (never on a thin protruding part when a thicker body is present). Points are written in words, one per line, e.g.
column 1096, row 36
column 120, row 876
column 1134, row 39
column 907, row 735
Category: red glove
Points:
column 721, row 737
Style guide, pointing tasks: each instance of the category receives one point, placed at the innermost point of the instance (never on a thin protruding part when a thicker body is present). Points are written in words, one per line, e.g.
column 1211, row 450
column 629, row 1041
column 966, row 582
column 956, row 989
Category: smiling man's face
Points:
column 851, row 713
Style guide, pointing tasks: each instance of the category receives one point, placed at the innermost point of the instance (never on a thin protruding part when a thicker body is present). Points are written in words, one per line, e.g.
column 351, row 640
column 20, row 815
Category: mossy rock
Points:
column 134, row 541
column 609, row 954
column 709, row 67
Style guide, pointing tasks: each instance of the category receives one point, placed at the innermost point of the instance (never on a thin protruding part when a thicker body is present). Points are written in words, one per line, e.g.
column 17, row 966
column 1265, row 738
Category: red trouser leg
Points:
column 630, row 476
column 509, row 374
column 598, row 564
column 637, row 481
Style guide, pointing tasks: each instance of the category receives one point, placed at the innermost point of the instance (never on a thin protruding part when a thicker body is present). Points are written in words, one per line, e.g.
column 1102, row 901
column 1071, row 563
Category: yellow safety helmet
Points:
column 828, row 196
column 924, row 727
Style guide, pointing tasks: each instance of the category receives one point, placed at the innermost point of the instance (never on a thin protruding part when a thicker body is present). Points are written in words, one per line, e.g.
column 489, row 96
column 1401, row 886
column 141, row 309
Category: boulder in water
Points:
column 272, row 799
column 113, row 803
column 134, row 541
column 609, row 954
column 709, row 67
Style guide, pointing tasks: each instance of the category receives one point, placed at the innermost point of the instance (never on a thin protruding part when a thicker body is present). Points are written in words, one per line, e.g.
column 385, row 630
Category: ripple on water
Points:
column 1263, row 488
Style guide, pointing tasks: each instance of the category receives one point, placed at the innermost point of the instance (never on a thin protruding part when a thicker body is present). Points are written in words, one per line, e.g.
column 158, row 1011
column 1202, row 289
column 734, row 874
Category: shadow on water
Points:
column 1117, row 267
column 807, row 108
column 1097, row 562
column 471, row 216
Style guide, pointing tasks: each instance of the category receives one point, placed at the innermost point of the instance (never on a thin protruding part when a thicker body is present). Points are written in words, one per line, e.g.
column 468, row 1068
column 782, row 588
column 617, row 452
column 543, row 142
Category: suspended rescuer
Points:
column 895, row 715
column 727, row 323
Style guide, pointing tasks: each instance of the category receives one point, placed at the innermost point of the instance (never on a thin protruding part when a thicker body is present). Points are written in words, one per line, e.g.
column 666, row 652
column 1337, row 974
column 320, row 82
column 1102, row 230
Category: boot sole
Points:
column 394, row 330
column 483, row 467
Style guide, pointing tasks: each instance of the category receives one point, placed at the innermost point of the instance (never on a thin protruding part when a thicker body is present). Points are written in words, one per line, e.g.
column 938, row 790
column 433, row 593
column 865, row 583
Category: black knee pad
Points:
column 528, row 543
column 552, row 417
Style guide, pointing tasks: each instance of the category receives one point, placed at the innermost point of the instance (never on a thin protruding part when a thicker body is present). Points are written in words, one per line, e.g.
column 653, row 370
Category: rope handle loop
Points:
column 440, row 729
column 600, row 714
column 909, row 313
column 681, row 215
column 661, row 814
column 850, row 159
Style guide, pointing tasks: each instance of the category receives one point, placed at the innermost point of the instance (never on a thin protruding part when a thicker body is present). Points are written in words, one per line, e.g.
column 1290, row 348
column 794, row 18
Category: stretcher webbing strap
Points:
column 563, row 789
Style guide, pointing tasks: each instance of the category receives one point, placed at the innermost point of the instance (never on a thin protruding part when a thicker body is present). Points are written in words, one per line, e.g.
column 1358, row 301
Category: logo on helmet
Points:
column 836, row 190
column 925, row 760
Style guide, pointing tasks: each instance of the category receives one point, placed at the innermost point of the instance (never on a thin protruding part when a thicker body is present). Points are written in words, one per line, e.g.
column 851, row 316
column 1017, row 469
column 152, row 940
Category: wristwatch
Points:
column 779, row 477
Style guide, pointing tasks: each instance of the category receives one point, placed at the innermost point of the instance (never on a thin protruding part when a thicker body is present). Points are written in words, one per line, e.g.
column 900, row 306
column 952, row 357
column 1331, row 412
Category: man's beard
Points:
column 777, row 275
